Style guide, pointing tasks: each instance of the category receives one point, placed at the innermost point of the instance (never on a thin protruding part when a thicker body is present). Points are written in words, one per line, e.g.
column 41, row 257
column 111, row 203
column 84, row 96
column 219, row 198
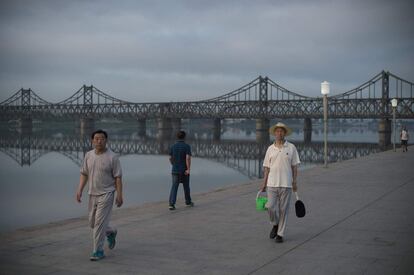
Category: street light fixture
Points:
column 325, row 93
column 394, row 103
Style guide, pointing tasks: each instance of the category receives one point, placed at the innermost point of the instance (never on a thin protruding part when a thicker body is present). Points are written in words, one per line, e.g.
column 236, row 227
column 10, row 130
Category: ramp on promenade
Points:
column 360, row 220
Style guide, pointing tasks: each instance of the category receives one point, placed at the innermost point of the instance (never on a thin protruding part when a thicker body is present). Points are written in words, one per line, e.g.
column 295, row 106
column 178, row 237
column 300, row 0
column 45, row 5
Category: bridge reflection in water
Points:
column 243, row 156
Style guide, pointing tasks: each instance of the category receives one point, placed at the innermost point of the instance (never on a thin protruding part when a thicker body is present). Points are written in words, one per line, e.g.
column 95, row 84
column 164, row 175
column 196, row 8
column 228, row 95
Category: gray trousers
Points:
column 278, row 199
column 100, row 209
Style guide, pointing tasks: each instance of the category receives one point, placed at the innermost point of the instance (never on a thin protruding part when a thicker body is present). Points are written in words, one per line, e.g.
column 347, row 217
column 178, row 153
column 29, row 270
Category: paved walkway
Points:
column 360, row 220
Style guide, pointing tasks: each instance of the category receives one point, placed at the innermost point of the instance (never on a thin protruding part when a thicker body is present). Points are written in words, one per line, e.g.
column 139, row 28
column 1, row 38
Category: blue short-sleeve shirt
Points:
column 178, row 153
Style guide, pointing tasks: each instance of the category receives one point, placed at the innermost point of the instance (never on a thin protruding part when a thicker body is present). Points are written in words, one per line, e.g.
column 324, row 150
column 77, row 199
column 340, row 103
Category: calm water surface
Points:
column 45, row 191
column 40, row 171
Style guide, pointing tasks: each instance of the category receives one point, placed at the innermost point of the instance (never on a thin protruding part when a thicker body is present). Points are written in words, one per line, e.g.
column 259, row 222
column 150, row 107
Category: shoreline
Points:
column 162, row 203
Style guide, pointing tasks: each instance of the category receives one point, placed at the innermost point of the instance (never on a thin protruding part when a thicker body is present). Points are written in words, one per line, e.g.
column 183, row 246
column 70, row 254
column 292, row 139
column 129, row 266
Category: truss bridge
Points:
column 261, row 99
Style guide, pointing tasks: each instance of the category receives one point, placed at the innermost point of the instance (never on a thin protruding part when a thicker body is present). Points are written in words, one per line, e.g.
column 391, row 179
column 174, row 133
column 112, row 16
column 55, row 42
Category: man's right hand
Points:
column 263, row 188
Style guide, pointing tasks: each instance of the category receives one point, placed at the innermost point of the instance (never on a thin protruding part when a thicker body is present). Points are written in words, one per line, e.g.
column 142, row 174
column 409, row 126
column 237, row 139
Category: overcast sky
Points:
column 144, row 51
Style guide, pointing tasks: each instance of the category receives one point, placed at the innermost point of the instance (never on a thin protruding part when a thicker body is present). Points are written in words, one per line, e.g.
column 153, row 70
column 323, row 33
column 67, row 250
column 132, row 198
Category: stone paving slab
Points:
column 359, row 221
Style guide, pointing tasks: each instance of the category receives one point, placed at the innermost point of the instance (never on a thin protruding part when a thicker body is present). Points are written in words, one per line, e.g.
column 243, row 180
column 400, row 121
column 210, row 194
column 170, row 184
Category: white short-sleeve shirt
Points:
column 280, row 162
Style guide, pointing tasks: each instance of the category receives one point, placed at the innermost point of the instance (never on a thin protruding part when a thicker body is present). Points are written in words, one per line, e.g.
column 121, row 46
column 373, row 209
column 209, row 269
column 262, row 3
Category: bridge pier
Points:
column 307, row 130
column 25, row 125
column 175, row 125
column 87, row 125
column 142, row 127
column 164, row 128
column 216, row 129
column 262, row 130
column 384, row 132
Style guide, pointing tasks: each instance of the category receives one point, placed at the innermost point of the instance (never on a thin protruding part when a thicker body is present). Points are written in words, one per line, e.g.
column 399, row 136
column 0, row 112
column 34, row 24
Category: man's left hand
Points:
column 119, row 201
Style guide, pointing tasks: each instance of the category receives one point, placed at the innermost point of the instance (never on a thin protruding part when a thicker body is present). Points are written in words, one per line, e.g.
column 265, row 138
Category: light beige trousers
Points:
column 100, row 209
column 278, row 199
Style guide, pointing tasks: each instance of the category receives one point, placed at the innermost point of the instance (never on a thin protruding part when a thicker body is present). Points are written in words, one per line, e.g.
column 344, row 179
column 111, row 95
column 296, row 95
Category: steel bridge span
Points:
column 261, row 99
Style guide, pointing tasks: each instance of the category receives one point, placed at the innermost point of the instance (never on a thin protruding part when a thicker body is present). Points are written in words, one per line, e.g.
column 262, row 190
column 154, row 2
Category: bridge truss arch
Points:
column 261, row 98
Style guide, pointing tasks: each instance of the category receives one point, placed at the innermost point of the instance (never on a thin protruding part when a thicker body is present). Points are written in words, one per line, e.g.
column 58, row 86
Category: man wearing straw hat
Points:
column 280, row 173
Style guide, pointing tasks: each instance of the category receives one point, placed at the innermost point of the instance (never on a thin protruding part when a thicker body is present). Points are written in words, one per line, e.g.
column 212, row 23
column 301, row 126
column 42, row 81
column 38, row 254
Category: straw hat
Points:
column 272, row 129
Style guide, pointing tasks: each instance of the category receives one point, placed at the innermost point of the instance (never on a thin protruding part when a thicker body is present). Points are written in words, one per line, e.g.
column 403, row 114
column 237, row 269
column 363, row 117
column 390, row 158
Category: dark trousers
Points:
column 176, row 180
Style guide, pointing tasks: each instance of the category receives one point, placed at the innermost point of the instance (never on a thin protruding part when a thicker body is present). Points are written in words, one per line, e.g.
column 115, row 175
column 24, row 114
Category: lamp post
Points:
column 325, row 93
column 394, row 103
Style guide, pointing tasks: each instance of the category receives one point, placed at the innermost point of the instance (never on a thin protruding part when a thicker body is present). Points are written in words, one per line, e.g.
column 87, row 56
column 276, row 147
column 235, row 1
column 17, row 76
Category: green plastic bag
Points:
column 261, row 202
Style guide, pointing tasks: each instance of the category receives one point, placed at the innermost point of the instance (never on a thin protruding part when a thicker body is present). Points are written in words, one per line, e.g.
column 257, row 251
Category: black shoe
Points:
column 273, row 233
column 279, row 239
column 191, row 204
column 172, row 207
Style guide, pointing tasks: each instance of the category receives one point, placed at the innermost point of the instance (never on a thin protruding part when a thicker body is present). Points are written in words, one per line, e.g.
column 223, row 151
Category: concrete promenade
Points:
column 360, row 220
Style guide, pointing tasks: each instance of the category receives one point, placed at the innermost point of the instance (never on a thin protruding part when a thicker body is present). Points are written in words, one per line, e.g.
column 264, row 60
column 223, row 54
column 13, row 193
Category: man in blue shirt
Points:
column 180, row 159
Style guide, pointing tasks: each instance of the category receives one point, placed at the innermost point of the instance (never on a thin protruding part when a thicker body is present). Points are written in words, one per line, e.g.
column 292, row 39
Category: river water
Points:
column 40, row 170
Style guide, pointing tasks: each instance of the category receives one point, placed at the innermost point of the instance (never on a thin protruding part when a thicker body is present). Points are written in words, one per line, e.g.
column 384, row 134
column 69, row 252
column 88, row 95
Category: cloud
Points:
column 189, row 50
